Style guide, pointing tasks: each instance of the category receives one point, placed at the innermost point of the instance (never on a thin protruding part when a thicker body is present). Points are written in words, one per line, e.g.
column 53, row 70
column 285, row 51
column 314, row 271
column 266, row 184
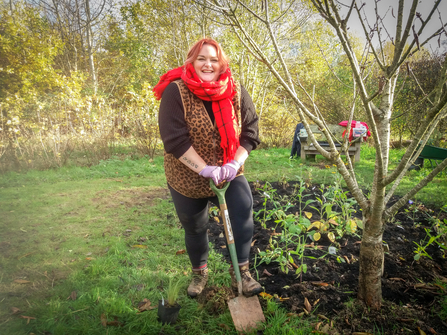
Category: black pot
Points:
column 168, row 314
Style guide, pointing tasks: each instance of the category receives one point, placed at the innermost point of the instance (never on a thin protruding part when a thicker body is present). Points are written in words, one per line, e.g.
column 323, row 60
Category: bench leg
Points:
column 303, row 155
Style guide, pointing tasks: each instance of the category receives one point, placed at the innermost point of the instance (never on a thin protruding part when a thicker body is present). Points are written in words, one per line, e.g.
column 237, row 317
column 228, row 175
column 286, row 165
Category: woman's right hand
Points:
column 213, row 172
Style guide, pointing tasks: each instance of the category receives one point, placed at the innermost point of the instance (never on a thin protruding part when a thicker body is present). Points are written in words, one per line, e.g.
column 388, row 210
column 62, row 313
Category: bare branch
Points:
column 402, row 201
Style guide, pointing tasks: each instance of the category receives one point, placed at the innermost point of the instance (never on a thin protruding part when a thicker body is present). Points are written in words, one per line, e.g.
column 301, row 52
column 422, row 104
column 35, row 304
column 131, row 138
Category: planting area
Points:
column 312, row 266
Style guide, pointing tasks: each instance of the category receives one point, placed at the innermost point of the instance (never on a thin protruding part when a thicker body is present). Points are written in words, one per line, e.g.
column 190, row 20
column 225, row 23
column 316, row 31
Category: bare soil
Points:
column 329, row 287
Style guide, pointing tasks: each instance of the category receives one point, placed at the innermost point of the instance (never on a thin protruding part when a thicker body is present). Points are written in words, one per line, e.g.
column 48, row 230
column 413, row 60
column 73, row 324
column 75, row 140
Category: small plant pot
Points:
column 168, row 314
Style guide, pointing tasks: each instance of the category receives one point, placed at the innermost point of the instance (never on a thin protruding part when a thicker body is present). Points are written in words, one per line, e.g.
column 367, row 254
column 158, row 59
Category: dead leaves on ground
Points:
column 27, row 318
column 145, row 305
column 22, row 281
column 114, row 323
column 72, row 296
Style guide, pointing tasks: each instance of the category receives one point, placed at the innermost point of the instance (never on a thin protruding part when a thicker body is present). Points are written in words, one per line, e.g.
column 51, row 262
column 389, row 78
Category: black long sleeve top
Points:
column 173, row 129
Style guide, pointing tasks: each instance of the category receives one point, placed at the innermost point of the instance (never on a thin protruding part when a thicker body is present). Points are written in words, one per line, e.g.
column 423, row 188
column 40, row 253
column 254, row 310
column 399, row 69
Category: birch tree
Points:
column 377, row 103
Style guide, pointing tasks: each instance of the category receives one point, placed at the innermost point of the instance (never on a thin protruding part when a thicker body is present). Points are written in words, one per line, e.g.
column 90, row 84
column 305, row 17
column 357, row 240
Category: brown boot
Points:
column 249, row 285
column 198, row 283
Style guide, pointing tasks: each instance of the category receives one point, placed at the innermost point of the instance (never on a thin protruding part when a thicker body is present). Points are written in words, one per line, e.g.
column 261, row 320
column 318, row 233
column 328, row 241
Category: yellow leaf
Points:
column 331, row 237
column 27, row 318
column 307, row 305
column 352, row 225
column 15, row 310
column 316, row 224
column 265, row 295
column 139, row 246
column 317, row 236
column 21, row 281
column 308, row 214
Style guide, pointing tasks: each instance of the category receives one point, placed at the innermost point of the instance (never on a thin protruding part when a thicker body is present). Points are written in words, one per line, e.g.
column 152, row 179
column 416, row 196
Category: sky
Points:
column 388, row 8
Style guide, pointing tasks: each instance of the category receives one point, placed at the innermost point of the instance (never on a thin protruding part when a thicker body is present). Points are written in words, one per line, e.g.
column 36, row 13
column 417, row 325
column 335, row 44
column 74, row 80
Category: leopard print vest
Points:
column 205, row 139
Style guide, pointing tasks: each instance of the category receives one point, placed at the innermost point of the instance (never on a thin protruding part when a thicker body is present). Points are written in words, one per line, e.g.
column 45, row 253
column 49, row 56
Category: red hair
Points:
column 193, row 53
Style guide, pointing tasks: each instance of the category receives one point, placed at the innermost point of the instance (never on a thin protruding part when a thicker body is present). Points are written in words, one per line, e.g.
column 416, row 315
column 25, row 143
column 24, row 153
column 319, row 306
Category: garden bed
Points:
column 412, row 290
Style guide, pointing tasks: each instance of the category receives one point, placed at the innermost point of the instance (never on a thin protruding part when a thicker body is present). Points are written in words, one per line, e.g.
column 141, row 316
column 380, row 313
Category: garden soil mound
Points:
column 329, row 287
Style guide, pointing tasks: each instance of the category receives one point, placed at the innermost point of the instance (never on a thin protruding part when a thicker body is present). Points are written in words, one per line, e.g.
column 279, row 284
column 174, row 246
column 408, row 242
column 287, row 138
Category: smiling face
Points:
column 207, row 64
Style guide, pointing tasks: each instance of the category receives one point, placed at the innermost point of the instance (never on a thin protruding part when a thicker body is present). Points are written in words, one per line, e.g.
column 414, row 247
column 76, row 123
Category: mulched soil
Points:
column 329, row 287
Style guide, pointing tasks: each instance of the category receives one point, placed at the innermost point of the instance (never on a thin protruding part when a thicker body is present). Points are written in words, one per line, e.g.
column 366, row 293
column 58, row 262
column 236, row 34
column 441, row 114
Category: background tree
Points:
column 377, row 103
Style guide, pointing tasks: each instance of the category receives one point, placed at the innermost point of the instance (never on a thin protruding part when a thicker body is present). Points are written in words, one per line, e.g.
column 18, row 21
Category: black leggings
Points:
column 193, row 215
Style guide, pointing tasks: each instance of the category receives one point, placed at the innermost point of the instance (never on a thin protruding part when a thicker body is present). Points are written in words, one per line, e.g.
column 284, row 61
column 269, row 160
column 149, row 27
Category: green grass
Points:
column 109, row 233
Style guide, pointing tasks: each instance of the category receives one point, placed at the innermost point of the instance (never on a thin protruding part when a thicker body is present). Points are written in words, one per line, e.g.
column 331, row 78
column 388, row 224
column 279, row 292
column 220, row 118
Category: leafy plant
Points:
column 173, row 290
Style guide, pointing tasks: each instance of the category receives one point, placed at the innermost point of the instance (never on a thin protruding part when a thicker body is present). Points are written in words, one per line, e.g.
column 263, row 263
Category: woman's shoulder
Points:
column 172, row 90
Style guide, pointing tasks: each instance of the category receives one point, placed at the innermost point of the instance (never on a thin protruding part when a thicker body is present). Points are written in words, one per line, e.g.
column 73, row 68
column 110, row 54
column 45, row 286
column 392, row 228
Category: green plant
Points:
column 173, row 289
column 421, row 248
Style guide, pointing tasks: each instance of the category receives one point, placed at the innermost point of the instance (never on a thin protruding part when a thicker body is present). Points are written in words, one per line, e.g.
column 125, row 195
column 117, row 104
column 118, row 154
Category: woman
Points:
column 208, row 125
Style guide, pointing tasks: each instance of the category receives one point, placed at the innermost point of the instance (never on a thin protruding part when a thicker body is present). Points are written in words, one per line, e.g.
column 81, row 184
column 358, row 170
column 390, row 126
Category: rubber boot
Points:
column 198, row 283
column 250, row 286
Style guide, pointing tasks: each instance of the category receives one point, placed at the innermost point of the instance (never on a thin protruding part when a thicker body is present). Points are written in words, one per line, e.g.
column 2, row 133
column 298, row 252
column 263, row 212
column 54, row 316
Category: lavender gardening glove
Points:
column 230, row 170
column 213, row 172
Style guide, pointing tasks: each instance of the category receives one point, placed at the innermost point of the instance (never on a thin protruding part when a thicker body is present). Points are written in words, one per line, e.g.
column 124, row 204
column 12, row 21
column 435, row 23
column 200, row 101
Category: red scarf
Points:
column 219, row 92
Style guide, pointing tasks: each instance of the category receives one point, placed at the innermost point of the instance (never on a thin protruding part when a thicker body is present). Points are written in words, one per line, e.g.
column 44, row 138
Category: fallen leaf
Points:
column 322, row 317
column 307, row 305
column 223, row 325
column 27, row 318
column 253, row 243
column 139, row 246
column 308, row 214
column 317, row 326
column 325, row 329
column 72, row 296
column 265, row 295
column 21, row 281
column 145, row 305
column 397, row 279
column 317, row 236
column 265, row 272
column 15, row 310
column 314, row 283
column 89, row 258
column 115, row 323
column 347, row 259
column 294, row 265
column 223, row 247
column 182, row 251
column 333, row 222
column 275, row 234
column 86, row 235
column 103, row 320
column 315, row 302
column 431, row 330
column 421, row 332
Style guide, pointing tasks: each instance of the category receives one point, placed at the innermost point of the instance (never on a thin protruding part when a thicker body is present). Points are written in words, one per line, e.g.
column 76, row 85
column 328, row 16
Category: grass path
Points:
column 80, row 247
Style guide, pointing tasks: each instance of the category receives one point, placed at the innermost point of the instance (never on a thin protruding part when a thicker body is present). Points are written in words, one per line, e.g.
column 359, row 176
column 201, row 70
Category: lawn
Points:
column 81, row 247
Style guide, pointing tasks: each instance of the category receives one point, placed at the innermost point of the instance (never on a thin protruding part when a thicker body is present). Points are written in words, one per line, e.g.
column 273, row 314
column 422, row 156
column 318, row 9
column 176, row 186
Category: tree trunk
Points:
column 90, row 47
column 371, row 262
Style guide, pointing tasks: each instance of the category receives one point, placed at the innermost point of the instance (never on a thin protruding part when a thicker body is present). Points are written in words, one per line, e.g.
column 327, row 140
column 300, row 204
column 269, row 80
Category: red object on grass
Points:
column 353, row 122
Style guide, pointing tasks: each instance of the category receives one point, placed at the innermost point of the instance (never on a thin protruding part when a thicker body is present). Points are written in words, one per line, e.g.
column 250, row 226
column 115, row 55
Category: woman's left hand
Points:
column 229, row 170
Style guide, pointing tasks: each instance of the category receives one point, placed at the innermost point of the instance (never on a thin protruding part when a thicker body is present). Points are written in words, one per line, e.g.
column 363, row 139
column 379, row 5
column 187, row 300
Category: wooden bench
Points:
column 308, row 150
